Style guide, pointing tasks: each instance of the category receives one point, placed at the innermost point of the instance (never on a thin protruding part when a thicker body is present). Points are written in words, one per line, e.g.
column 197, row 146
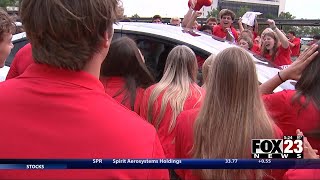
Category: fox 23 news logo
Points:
column 288, row 147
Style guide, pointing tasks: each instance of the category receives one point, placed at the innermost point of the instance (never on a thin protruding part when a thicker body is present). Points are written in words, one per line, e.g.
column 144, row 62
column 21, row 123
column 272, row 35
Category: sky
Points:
column 307, row 9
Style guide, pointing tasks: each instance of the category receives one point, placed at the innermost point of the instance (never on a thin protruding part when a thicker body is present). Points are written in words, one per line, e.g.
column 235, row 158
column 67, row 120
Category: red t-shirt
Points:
column 296, row 48
column 222, row 33
column 21, row 61
column 282, row 56
column 113, row 85
column 290, row 117
column 166, row 138
column 256, row 48
column 302, row 174
column 49, row 113
column 184, row 142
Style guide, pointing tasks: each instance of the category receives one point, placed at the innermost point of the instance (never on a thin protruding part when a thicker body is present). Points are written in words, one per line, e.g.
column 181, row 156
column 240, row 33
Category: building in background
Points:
column 267, row 7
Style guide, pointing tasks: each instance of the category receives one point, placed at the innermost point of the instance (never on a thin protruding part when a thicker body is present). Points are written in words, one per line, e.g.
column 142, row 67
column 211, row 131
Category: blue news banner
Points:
column 38, row 164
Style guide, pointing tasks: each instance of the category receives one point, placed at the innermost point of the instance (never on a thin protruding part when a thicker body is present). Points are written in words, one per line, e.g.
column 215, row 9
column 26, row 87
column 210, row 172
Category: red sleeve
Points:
column 276, row 104
column 302, row 174
column 158, row 154
column 296, row 42
column 13, row 72
column 21, row 61
column 215, row 31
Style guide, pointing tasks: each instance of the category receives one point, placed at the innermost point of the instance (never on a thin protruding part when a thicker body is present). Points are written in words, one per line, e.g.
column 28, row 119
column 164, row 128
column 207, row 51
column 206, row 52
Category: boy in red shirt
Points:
column 58, row 107
column 294, row 44
column 226, row 19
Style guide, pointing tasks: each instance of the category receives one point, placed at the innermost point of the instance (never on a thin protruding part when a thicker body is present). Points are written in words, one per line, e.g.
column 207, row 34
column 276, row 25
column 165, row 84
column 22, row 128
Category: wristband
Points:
column 273, row 28
column 280, row 77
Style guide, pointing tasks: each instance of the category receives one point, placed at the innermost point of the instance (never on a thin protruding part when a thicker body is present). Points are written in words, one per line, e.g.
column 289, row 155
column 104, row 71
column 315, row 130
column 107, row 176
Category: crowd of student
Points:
column 71, row 93
column 273, row 44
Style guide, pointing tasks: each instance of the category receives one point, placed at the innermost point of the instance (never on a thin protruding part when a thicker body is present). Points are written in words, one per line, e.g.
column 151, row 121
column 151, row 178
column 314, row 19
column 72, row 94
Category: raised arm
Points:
column 240, row 24
column 256, row 26
column 293, row 72
column 282, row 37
column 188, row 16
column 194, row 17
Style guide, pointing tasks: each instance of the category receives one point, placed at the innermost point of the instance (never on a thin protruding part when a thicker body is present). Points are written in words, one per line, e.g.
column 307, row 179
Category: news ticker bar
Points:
column 36, row 164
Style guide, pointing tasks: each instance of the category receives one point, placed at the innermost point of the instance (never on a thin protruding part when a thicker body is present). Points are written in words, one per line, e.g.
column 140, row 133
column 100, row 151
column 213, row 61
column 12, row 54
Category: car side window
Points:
column 156, row 51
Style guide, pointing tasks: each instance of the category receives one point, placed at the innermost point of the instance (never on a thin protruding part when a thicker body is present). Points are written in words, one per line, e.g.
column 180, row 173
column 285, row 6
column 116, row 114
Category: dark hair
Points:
column 6, row 24
column 292, row 32
column 66, row 34
column 227, row 12
column 309, row 84
column 317, row 37
column 206, row 27
column 156, row 17
column 124, row 60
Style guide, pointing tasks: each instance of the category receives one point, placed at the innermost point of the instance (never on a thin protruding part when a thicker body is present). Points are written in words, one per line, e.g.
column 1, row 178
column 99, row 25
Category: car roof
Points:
column 196, row 39
column 209, row 44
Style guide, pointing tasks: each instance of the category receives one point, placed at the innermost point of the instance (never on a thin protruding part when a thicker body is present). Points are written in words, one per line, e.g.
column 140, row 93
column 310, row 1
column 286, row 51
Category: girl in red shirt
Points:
column 231, row 116
column 300, row 108
column 176, row 91
column 275, row 46
column 124, row 74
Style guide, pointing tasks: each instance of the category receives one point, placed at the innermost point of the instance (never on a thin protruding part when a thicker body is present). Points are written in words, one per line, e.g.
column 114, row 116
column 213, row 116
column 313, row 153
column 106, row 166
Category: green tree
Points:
column 286, row 15
column 6, row 3
column 242, row 10
column 135, row 16
column 289, row 16
column 213, row 13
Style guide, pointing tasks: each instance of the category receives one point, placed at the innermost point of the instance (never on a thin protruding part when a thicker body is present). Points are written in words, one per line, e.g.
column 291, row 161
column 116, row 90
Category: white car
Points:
column 156, row 40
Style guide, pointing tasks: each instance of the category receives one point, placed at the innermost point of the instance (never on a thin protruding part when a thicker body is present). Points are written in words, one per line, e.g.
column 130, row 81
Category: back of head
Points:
column 232, row 113
column 181, row 65
column 6, row 24
column 66, row 34
column 179, row 73
column 309, row 83
column 247, row 32
column 206, row 66
column 125, row 60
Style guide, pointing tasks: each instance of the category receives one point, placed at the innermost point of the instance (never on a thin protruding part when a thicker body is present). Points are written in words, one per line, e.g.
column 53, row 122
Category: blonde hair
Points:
column 179, row 73
column 205, row 69
column 232, row 115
